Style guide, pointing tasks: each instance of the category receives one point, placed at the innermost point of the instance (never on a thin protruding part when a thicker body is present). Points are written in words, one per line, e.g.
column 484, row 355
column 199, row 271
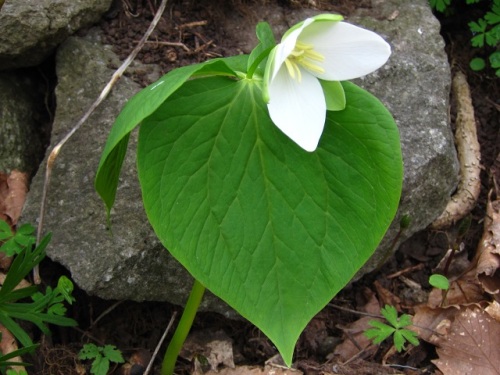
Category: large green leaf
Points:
column 271, row 229
column 142, row 105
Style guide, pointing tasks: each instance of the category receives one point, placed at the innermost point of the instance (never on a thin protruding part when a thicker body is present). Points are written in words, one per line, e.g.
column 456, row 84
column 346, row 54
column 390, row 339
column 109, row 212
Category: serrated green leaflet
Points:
column 273, row 230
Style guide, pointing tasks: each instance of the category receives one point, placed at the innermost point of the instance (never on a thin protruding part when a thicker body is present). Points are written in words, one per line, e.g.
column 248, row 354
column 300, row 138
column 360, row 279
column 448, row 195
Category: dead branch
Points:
column 57, row 148
column 469, row 157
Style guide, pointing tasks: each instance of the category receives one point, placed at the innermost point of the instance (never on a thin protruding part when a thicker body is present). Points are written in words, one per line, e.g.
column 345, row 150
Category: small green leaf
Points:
column 57, row 309
column 440, row 5
column 16, row 241
column 65, row 287
column 495, row 59
column 405, row 222
column 439, row 281
column 5, row 231
column 391, row 314
column 493, row 36
column 477, row 64
column 89, row 351
column 410, row 336
column 404, row 321
column 113, row 354
column 399, row 340
column 100, row 365
column 382, row 331
column 379, row 332
column 493, row 17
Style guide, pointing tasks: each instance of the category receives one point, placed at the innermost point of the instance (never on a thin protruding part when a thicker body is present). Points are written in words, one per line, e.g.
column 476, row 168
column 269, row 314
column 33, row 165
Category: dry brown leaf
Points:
column 493, row 309
column 251, row 370
column 4, row 191
column 472, row 346
column 386, row 297
column 355, row 340
column 8, row 344
column 13, row 190
column 315, row 331
column 431, row 324
column 488, row 250
column 216, row 347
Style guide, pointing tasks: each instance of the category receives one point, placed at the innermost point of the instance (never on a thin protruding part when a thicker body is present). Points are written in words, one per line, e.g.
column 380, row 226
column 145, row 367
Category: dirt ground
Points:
column 136, row 328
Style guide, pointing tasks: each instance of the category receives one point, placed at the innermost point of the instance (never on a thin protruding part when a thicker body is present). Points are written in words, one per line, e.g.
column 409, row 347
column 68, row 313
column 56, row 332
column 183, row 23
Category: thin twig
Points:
column 355, row 311
column 57, row 148
column 160, row 343
column 106, row 312
column 171, row 44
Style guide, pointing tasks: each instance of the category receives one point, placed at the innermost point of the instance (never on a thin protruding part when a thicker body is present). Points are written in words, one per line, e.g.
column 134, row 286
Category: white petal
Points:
column 350, row 51
column 287, row 45
column 298, row 108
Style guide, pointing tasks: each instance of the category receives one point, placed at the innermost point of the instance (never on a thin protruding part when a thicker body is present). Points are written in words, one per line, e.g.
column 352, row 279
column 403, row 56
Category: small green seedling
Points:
column 101, row 356
column 439, row 282
column 485, row 32
column 382, row 331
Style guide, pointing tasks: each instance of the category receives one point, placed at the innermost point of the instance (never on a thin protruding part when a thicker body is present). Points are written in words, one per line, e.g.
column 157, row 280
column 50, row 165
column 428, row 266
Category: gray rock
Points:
column 21, row 122
column 130, row 262
column 32, row 29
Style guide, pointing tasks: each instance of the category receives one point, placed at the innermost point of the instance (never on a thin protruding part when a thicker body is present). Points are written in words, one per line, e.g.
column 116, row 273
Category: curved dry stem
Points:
column 104, row 93
column 469, row 157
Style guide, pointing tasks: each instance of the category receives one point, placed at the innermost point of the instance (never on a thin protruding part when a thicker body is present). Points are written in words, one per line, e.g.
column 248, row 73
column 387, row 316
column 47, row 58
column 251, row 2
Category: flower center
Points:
column 304, row 55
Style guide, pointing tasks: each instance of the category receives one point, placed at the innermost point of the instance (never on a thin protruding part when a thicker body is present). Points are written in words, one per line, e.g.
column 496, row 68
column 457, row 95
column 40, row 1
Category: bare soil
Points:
column 136, row 328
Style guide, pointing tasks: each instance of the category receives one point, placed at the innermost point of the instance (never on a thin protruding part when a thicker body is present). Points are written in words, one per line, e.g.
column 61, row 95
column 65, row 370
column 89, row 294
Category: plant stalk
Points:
column 183, row 328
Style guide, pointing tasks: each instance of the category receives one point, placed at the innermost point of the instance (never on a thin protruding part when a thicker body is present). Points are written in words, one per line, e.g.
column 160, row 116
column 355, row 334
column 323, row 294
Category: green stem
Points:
column 183, row 328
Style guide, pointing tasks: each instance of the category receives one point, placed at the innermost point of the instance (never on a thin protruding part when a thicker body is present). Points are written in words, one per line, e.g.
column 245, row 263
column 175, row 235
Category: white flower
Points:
column 303, row 73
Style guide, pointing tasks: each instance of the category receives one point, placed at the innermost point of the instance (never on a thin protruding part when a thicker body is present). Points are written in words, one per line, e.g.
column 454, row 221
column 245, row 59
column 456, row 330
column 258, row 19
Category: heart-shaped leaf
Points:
column 273, row 230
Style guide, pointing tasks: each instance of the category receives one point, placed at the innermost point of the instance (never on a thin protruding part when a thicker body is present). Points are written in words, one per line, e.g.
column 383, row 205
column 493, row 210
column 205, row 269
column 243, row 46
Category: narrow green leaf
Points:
column 14, row 328
column 266, row 43
column 399, row 341
column 22, row 265
column 274, row 231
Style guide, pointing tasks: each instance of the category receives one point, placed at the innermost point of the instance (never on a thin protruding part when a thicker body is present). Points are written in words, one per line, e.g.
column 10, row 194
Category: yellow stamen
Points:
column 304, row 55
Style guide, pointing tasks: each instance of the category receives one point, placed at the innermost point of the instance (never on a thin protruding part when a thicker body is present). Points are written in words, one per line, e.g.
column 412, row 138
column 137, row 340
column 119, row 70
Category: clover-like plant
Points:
column 485, row 33
column 396, row 328
column 15, row 305
column 101, row 357
column 268, row 176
